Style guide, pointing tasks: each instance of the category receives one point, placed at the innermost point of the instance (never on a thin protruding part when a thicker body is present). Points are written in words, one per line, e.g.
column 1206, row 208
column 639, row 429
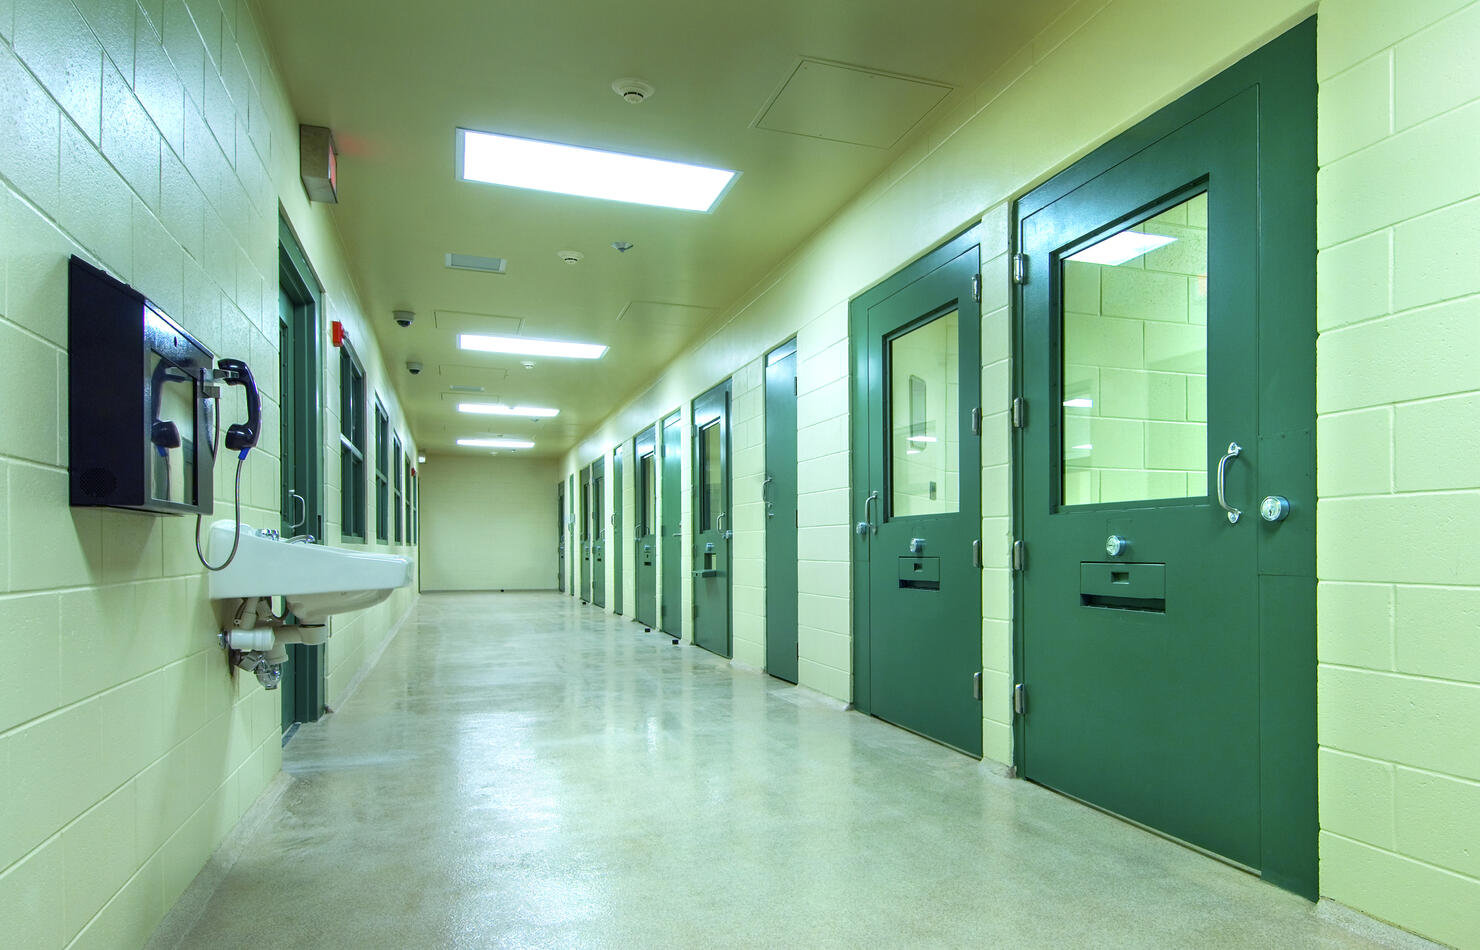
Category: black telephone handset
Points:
column 242, row 436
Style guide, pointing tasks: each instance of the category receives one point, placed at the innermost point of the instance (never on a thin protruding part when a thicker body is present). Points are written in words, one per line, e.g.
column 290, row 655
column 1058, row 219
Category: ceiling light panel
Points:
column 499, row 409
column 588, row 172
column 524, row 346
column 495, row 443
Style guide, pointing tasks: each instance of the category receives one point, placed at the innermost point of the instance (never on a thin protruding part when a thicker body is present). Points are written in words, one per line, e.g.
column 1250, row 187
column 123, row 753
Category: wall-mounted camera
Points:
column 403, row 318
column 413, row 367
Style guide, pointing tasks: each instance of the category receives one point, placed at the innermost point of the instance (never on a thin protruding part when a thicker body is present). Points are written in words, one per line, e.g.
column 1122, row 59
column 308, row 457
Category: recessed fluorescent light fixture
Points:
column 499, row 409
column 588, row 172
column 495, row 443
column 526, row 347
column 1122, row 247
column 1079, row 403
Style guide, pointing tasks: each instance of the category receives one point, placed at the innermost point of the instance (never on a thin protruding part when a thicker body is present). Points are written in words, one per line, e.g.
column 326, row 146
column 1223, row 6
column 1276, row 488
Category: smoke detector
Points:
column 633, row 90
column 570, row 257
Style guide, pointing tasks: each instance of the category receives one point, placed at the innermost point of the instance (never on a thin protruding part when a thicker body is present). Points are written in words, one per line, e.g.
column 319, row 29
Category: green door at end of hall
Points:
column 598, row 532
column 671, row 594
column 1166, row 493
column 645, row 544
column 713, row 527
column 779, row 492
column 917, row 495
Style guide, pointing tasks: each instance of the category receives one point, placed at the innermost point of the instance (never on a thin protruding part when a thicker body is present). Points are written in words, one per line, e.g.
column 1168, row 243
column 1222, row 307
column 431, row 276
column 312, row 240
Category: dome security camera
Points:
column 413, row 367
column 403, row 318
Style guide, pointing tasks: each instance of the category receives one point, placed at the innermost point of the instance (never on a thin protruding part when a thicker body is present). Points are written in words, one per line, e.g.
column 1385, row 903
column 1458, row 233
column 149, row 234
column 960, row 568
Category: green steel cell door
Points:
column 645, row 545
column 779, row 491
column 918, row 499
column 299, row 370
column 1166, row 365
column 672, row 530
column 713, row 527
column 583, row 588
column 615, row 520
column 598, row 532
column 560, row 533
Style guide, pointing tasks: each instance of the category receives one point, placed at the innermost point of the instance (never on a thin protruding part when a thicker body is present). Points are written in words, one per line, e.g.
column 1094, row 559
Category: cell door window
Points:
column 711, row 476
column 924, row 400
column 400, row 501
column 647, row 494
column 1135, row 361
column 382, row 477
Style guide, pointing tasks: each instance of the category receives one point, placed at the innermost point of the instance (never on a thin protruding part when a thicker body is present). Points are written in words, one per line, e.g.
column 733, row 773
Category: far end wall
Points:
column 488, row 523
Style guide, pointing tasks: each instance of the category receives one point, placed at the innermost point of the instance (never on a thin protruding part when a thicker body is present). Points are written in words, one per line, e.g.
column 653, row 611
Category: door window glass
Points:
column 924, row 438
column 647, row 494
column 1135, row 361
column 598, row 489
column 710, row 473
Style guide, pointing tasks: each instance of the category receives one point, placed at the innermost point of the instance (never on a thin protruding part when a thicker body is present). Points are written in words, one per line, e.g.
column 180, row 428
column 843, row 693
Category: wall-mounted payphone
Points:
column 142, row 420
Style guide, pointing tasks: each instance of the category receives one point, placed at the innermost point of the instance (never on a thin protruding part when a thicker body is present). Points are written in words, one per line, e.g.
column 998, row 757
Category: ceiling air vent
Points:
column 488, row 265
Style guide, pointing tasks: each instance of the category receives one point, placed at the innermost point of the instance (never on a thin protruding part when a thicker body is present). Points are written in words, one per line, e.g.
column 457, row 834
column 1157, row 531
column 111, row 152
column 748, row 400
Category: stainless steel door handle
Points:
column 1233, row 452
column 867, row 521
column 301, row 504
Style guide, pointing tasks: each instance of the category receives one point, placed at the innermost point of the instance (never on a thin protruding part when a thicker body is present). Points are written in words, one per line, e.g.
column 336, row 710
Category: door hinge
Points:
column 1020, row 699
column 1019, row 555
column 976, row 685
column 976, row 553
column 1019, row 268
column 976, row 421
column 1019, row 412
column 976, row 287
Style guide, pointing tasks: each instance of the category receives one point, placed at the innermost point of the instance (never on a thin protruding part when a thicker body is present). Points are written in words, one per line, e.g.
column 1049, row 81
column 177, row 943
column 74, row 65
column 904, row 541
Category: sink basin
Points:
column 315, row 580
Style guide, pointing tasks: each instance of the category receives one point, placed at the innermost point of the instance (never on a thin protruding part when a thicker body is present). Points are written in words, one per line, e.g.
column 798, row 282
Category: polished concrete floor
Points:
column 523, row 771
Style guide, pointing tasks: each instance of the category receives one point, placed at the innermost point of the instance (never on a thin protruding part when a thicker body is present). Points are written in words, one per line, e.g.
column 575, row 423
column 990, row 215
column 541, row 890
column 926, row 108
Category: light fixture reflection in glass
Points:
column 526, row 347
column 588, row 172
column 499, row 409
column 1079, row 403
column 1122, row 247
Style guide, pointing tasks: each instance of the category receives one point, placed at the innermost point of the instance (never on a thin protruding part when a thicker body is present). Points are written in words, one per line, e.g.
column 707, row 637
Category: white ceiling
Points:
column 754, row 87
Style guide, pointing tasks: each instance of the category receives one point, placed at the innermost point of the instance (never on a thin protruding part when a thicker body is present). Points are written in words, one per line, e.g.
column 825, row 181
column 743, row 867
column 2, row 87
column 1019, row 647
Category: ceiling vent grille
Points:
column 486, row 265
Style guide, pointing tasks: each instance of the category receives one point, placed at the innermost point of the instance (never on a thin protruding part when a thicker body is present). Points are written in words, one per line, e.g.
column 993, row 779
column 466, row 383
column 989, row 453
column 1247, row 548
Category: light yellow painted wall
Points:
column 488, row 523
column 156, row 141
column 1398, row 389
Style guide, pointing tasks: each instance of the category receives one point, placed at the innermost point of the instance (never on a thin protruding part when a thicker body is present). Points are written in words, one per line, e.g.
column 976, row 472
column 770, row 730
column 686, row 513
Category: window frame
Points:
column 351, row 446
column 382, row 479
column 398, row 495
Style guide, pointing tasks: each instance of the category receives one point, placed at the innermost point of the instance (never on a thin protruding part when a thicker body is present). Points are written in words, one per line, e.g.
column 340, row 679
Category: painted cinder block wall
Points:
column 1398, row 382
column 156, row 141
column 1398, row 395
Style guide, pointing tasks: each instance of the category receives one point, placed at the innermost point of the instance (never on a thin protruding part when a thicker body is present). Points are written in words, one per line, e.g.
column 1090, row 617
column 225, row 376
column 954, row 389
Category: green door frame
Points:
column 670, row 450
column 303, row 700
column 644, row 529
column 862, row 372
column 1282, row 75
column 779, row 493
column 615, row 520
column 599, row 524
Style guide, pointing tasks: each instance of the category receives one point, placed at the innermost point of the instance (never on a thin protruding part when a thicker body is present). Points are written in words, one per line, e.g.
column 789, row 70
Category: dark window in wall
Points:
column 406, row 505
column 415, row 508
column 351, row 446
column 400, row 487
column 382, row 479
